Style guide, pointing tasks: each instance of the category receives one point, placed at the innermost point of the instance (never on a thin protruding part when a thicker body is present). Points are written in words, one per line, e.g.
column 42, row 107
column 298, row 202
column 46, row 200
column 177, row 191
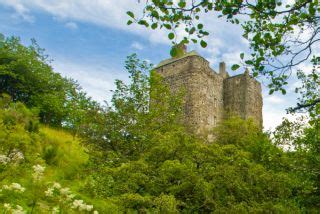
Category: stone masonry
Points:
column 210, row 96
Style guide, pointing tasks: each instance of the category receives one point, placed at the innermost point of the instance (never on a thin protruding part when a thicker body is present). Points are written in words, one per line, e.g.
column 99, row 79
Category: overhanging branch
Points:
column 306, row 105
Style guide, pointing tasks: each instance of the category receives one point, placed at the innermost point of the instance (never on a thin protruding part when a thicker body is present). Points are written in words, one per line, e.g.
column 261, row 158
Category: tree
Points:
column 139, row 112
column 26, row 75
column 281, row 35
column 241, row 172
column 303, row 141
column 309, row 91
column 81, row 110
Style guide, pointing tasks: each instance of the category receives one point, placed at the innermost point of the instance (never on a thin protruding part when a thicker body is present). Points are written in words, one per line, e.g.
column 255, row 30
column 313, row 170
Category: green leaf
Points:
column 249, row 62
column 154, row 26
column 242, row 55
column 129, row 22
column 130, row 14
column 155, row 14
column 182, row 4
column 200, row 26
column 271, row 91
column 312, row 10
column 143, row 22
column 235, row 67
column 192, row 30
column 167, row 26
column 173, row 51
column 205, row 33
column 171, row 36
column 203, row 44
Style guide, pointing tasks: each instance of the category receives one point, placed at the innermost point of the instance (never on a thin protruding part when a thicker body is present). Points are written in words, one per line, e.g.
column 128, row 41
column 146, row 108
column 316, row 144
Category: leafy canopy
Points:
column 26, row 75
column 281, row 34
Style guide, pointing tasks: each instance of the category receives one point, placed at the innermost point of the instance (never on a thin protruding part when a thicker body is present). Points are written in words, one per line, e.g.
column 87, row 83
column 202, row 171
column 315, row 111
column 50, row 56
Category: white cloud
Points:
column 137, row 46
column 21, row 10
column 71, row 25
column 99, row 12
column 224, row 43
column 273, row 111
column 305, row 67
column 110, row 14
column 274, row 108
column 274, row 99
column 231, row 57
column 96, row 80
column 273, row 117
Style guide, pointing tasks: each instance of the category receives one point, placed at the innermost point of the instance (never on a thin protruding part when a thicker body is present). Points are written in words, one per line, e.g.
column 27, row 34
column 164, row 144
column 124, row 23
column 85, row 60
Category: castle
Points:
column 210, row 96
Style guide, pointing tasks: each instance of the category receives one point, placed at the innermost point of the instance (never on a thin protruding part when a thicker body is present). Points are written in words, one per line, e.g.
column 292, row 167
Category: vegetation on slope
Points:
column 136, row 157
column 33, row 158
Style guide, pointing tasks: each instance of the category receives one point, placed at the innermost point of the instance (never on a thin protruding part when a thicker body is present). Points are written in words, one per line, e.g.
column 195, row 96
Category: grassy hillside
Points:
column 41, row 169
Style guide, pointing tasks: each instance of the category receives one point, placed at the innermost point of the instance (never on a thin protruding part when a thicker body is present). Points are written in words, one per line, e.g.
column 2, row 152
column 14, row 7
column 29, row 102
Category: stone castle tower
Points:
column 210, row 96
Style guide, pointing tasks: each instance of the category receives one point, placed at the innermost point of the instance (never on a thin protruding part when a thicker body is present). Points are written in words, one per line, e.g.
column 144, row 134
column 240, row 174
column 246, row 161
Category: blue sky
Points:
column 89, row 41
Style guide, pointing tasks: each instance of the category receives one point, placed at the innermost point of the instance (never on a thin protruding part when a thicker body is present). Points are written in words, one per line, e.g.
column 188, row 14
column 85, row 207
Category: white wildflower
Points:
column 38, row 168
column 18, row 210
column 7, row 206
column 16, row 156
column 38, row 172
column 65, row 191
column 14, row 187
column 17, row 187
column 89, row 207
column 55, row 210
column 66, row 196
column 70, row 196
column 5, row 187
column 95, row 212
column 77, row 203
column 49, row 192
column 4, row 159
column 56, row 185
column 83, row 207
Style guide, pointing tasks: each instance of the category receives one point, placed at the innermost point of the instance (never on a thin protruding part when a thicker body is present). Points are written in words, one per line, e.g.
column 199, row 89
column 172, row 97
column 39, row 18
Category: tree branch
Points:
column 307, row 105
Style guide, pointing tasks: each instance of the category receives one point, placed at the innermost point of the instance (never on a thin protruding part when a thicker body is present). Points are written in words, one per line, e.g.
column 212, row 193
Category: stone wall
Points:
column 242, row 96
column 234, row 96
column 209, row 95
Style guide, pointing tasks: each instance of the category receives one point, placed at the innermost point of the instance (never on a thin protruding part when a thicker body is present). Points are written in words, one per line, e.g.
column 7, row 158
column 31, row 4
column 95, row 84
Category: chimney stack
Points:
column 222, row 70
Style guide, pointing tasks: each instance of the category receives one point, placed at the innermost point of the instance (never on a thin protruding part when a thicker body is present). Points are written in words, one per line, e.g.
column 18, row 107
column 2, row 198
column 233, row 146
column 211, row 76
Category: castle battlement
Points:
column 211, row 96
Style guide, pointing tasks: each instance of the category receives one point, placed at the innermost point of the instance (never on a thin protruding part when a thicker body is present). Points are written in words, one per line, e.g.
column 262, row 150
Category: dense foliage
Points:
column 27, row 77
column 241, row 172
column 137, row 157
